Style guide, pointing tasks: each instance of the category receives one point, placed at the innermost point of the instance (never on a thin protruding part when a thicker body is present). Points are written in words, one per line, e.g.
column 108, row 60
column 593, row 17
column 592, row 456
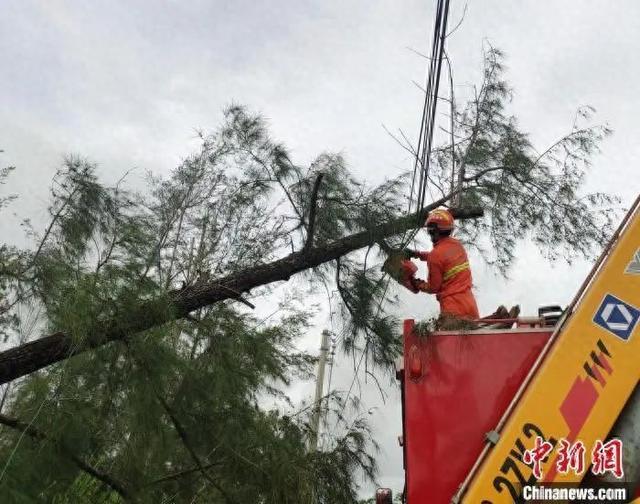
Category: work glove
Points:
column 410, row 253
column 407, row 278
column 401, row 270
column 418, row 285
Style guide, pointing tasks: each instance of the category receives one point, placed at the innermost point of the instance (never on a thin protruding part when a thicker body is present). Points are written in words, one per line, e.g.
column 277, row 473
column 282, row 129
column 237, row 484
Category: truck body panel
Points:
column 453, row 396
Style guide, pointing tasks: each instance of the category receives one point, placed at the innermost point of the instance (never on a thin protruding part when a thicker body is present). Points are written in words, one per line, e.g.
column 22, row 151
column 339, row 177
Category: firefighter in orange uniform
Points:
column 449, row 272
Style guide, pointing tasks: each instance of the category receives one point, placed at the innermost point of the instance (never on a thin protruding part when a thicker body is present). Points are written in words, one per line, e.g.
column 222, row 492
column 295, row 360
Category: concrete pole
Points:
column 317, row 410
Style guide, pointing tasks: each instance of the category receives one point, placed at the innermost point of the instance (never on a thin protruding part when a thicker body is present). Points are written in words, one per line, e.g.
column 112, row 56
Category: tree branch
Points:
column 34, row 355
column 34, row 433
column 182, row 433
column 312, row 213
column 181, row 474
column 477, row 176
column 455, row 28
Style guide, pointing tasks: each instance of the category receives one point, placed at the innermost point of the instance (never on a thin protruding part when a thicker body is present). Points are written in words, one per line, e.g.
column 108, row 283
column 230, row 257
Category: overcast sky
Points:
column 126, row 84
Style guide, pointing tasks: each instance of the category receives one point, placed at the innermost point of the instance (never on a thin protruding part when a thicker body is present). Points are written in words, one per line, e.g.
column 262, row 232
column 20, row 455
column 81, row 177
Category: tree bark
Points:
column 34, row 355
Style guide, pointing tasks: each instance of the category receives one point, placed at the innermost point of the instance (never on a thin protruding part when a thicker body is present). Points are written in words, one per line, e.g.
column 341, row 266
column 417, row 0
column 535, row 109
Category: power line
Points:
column 420, row 180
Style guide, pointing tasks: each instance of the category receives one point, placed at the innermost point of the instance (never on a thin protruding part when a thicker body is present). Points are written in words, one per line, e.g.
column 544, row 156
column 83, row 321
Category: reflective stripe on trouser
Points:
column 456, row 269
column 462, row 305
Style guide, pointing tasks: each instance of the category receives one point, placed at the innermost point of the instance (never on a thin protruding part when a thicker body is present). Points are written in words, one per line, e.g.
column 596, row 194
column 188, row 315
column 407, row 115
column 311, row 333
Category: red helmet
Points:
column 441, row 219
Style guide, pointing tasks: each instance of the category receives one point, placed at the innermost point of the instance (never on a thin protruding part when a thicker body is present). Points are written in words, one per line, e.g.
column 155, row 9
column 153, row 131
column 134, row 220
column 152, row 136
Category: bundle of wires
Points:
column 419, row 184
column 421, row 167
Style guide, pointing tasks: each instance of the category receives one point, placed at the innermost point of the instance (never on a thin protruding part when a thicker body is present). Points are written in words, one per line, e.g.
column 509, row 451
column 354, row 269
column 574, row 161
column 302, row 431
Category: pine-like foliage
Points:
column 526, row 194
column 185, row 412
column 195, row 409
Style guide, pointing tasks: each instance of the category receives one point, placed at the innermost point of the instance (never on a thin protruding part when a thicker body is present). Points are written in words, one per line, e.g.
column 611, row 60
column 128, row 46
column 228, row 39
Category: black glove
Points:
column 410, row 254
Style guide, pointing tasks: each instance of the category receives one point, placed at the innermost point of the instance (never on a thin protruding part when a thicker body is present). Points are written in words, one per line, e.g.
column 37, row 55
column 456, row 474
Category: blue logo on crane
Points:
column 617, row 317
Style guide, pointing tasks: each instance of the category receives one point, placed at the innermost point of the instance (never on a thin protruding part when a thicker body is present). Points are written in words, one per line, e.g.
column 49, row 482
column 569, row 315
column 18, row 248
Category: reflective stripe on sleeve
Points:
column 455, row 270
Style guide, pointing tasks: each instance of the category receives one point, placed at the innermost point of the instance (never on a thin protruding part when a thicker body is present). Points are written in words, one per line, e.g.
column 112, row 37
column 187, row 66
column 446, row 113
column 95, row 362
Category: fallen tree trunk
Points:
column 34, row 355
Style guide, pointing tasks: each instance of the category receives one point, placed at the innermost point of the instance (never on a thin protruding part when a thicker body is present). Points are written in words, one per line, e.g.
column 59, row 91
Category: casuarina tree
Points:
column 135, row 366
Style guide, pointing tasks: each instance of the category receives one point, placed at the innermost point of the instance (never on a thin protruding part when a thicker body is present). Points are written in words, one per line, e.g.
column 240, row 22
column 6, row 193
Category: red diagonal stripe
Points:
column 596, row 372
column 578, row 404
column 575, row 409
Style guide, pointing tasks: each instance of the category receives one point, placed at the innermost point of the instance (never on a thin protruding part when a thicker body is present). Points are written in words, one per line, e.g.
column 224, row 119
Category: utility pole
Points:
column 317, row 410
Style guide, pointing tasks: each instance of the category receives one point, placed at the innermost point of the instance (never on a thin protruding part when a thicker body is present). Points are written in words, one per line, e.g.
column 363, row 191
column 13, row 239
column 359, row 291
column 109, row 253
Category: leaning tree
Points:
column 135, row 367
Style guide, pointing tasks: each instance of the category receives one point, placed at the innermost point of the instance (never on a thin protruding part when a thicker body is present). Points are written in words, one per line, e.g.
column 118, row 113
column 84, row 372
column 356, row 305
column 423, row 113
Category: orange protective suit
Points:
column 449, row 279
